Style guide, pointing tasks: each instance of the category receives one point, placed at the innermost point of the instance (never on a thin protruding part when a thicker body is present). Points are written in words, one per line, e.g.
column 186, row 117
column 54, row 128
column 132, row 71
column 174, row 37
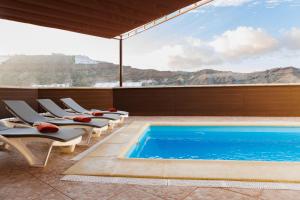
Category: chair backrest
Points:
column 53, row 108
column 70, row 103
column 23, row 111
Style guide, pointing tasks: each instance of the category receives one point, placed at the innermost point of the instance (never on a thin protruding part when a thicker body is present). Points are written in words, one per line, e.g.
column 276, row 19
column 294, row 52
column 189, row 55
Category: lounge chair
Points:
column 25, row 113
column 20, row 137
column 55, row 110
column 73, row 105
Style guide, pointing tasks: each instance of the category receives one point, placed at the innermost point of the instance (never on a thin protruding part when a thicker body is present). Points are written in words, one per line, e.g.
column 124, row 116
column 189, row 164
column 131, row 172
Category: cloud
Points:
column 225, row 3
column 159, row 57
column 268, row 3
column 195, row 53
column 243, row 41
column 275, row 3
column 228, row 48
column 272, row 3
column 291, row 39
column 231, row 46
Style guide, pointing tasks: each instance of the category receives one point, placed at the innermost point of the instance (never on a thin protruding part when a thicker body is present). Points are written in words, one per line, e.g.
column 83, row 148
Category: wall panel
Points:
column 88, row 98
column 145, row 101
column 28, row 95
column 174, row 101
column 275, row 100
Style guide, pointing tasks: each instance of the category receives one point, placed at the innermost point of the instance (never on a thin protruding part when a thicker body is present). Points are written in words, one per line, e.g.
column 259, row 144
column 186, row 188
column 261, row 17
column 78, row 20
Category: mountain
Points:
column 63, row 70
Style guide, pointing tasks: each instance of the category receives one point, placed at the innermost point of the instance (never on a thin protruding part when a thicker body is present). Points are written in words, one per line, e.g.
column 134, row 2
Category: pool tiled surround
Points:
column 109, row 159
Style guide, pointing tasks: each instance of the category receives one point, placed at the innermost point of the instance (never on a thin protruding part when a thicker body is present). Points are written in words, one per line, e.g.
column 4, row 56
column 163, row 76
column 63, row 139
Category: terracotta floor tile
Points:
column 167, row 192
column 216, row 194
column 280, row 195
column 53, row 195
column 11, row 160
column 134, row 194
column 80, row 191
column 249, row 192
column 51, row 179
column 23, row 186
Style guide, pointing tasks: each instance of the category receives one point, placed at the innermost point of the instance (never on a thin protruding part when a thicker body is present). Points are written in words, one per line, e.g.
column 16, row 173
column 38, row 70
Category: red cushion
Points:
column 97, row 113
column 81, row 118
column 47, row 128
column 112, row 110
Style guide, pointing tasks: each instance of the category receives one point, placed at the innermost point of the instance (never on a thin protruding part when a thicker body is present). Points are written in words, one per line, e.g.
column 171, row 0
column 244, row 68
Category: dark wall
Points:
column 176, row 101
column 146, row 101
column 29, row 95
column 211, row 101
column 89, row 98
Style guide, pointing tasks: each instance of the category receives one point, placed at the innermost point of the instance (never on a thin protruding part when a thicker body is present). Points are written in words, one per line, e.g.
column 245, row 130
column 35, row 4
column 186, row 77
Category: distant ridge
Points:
column 23, row 70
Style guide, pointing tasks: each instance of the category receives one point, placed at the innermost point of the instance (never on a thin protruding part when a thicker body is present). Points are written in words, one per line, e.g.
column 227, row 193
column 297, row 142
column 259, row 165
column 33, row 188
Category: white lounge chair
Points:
column 73, row 105
column 29, row 116
column 54, row 109
column 20, row 137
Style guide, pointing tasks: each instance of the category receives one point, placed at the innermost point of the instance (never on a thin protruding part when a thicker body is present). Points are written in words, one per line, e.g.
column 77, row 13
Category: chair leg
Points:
column 89, row 133
column 99, row 131
column 68, row 149
column 111, row 126
column 33, row 160
column 4, row 146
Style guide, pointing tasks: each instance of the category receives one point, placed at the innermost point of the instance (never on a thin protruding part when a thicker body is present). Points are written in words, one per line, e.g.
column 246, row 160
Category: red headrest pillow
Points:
column 44, row 127
column 82, row 118
column 97, row 113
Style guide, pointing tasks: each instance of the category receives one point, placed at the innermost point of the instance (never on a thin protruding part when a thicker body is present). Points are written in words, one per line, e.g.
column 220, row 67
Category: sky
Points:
column 234, row 35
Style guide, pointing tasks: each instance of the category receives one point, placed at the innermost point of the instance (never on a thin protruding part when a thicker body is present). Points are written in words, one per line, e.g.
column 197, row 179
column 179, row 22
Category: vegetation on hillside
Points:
column 24, row 70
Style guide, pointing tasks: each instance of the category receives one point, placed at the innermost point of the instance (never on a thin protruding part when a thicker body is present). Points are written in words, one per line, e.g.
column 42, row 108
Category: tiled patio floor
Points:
column 19, row 181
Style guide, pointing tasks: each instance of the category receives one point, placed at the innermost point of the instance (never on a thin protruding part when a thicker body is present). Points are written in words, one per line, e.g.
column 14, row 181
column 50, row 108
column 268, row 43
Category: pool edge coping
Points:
column 136, row 165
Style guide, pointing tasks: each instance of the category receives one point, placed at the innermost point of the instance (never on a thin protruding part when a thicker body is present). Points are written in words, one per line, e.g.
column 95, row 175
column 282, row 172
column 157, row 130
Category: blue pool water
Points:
column 254, row 143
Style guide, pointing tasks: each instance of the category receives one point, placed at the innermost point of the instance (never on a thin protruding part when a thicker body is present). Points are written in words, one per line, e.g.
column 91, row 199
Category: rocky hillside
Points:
column 61, row 69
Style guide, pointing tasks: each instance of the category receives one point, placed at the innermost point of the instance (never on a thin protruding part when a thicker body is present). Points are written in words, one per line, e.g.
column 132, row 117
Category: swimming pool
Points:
column 252, row 143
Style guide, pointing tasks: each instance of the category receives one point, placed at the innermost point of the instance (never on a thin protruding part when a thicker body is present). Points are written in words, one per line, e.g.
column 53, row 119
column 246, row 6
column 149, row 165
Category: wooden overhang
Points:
column 103, row 18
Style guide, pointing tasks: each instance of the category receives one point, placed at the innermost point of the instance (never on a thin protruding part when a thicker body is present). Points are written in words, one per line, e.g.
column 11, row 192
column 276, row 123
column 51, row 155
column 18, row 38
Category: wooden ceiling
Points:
column 103, row 18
